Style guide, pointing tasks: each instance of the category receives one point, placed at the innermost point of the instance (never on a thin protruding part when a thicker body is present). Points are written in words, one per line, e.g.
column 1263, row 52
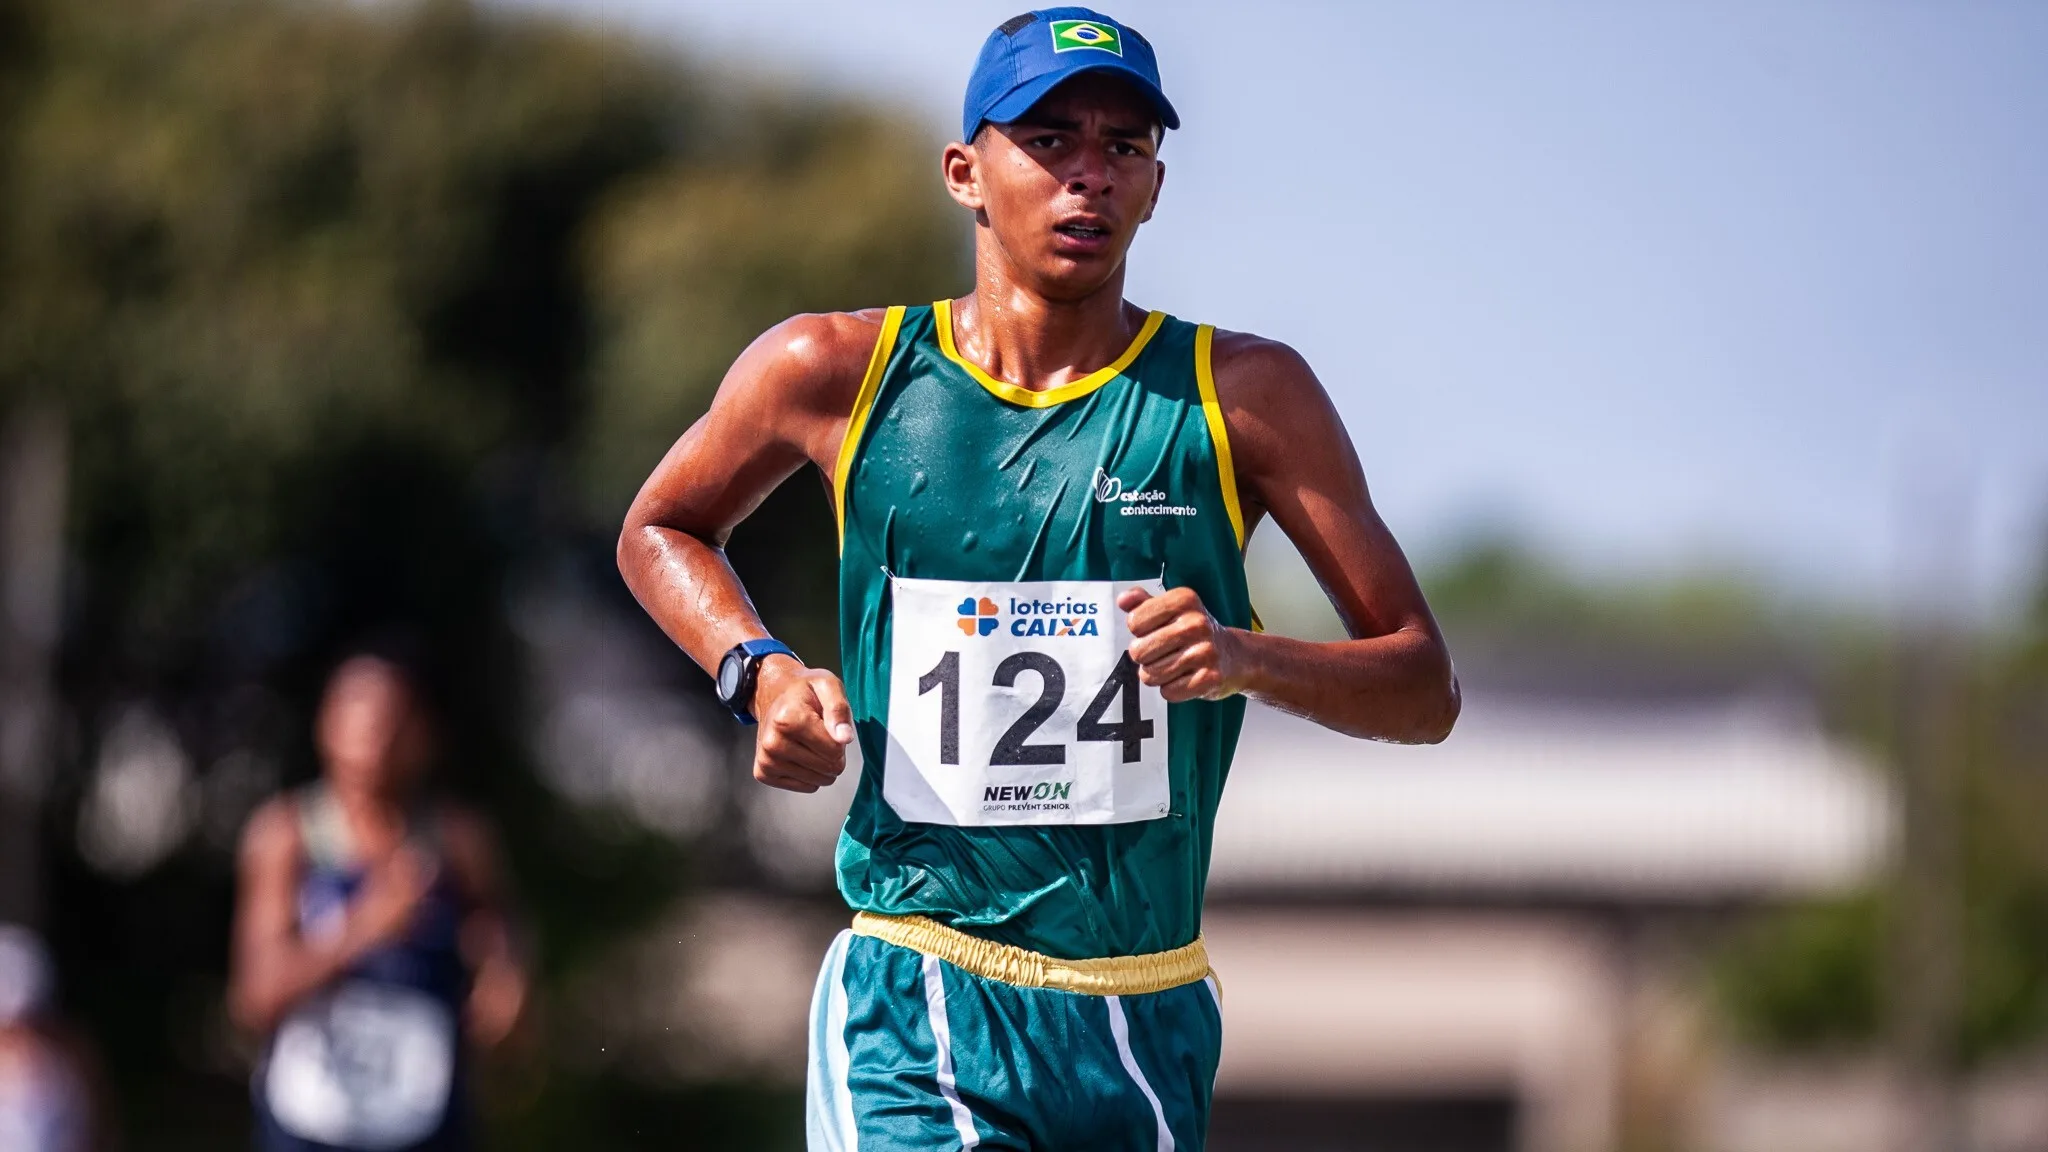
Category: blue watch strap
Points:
column 753, row 652
column 758, row 649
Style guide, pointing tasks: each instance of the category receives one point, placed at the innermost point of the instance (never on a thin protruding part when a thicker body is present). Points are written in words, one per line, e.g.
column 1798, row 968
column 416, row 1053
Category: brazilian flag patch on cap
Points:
column 1068, row 35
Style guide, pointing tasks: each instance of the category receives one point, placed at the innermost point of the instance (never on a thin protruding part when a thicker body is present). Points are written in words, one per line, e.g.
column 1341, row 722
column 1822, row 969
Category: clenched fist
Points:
column 1180, row 648
column 805, row 726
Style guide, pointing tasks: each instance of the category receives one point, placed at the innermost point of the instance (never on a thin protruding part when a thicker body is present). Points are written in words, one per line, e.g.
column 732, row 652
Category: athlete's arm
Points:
column 785, row 401
column 273, row 968
column 498, row 982
column 1295, row 463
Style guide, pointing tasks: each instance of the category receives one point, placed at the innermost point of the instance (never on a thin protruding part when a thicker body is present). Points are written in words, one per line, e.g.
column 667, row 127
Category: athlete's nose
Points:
column 1090, row 173
column 1083, row 184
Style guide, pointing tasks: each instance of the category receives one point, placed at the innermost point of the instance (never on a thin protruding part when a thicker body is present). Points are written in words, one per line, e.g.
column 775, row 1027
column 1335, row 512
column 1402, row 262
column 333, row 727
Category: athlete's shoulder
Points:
column 1246, row 358
column 814, row 359
column 824, row 341
column 271, row 835
column 1273, row 405
column 1256, row 375
column 820, row 338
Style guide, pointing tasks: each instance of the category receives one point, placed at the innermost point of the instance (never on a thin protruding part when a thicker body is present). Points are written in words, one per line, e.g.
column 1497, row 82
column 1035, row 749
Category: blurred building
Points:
column 1488, row 945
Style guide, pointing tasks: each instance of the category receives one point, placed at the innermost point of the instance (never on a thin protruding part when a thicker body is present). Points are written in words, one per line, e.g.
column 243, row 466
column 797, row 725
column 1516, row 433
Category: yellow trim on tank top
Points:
column 1219, row 434
column 1108, row 976
column 942, row 317
column 857, row 420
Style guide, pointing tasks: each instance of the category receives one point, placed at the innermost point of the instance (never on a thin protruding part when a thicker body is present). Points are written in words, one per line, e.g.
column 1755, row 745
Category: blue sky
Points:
column 1658, row 284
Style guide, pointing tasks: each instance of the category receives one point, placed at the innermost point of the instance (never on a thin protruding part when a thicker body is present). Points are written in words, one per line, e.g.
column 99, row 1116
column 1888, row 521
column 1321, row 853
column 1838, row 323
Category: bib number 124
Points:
column 1130, row 729
column 1018, row 703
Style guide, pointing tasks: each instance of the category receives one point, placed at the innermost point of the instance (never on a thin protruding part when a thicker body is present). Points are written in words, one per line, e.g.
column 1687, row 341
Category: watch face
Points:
column 729, row 670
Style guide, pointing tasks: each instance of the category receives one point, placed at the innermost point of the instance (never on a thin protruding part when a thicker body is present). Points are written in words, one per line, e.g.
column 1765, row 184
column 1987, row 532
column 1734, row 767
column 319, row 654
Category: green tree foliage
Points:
column 246, row 232
column 357, row 313
column 1499, row 589
column 1818, row 976
column 689, row 264
column 1809, row 978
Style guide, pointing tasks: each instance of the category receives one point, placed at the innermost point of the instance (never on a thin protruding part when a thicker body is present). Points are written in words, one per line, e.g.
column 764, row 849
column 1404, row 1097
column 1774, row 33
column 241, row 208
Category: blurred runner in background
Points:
column 45, row 1096
column 370, row 935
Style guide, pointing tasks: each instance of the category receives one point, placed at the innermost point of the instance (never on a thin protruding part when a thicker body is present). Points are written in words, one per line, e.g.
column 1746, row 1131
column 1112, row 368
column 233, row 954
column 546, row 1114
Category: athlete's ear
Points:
column 960, row 164
column 1158, row 182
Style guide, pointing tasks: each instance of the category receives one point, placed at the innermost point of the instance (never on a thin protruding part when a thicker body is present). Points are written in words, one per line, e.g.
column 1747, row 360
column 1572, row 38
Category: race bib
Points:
column 1018, row 703
column 365, row 1066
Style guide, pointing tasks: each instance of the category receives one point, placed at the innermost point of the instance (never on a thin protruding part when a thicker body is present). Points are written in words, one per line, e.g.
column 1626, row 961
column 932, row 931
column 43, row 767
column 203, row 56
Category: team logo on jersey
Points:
column 978, row 618
column 1136, row 501
column 1069, row 35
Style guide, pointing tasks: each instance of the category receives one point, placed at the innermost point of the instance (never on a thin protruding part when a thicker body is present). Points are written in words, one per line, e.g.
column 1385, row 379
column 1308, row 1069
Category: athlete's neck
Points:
column 1020, row 337
column 376, row 821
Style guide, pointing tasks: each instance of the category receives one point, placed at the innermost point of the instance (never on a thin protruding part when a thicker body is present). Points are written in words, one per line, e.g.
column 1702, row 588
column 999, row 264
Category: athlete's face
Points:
column 1060, row 193
column 372, row 732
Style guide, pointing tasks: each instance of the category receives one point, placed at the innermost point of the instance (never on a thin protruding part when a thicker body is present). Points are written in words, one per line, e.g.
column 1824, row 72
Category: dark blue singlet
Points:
column 372, row 1063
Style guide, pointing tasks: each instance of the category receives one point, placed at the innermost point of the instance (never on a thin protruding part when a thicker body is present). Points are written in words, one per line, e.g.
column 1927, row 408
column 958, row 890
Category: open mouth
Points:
column 1082, row 231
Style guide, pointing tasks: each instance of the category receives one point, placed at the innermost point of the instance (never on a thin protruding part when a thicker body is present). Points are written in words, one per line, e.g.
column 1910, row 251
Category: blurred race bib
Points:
column 368, row 1066
column 1018, row 703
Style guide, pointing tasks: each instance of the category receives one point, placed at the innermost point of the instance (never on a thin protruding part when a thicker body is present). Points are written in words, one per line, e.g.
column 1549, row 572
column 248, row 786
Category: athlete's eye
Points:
column 1046, row 141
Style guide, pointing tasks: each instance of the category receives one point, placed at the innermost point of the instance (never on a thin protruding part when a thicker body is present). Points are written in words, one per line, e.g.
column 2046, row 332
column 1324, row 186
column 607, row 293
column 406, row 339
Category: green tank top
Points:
column 949, row 474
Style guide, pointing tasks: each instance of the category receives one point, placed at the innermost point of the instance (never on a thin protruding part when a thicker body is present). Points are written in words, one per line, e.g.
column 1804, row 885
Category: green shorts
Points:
column 911, row 1054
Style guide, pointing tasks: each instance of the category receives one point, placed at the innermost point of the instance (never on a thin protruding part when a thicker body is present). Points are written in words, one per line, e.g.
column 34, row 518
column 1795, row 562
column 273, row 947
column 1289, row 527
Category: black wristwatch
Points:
column 738, row 670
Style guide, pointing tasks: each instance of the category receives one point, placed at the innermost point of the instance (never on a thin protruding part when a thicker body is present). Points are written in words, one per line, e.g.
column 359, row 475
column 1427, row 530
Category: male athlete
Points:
column 1043, row 494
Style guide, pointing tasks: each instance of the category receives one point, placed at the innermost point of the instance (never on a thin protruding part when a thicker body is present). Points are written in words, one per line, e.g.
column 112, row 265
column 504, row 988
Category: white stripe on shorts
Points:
column 829, row 1103
column 1121, row 1029
column 935, row 1003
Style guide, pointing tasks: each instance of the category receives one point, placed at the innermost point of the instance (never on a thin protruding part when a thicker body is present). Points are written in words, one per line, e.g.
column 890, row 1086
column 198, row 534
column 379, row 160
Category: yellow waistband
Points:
column 1109, row 976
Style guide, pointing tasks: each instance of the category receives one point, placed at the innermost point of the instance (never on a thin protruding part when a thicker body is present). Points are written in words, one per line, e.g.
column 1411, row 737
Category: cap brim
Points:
column 1021, row 98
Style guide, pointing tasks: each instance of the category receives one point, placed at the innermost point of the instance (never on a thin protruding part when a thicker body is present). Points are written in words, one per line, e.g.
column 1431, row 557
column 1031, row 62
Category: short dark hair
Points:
column 402, row 648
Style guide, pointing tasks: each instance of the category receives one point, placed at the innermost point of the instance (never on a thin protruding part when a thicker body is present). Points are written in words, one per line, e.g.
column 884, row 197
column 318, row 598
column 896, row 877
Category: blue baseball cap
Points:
column 1031, row 54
